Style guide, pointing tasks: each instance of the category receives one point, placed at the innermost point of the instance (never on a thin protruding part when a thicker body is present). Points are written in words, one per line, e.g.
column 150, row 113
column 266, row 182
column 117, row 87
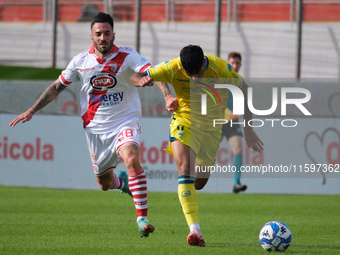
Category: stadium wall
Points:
column 50, row 150
column 268, row 48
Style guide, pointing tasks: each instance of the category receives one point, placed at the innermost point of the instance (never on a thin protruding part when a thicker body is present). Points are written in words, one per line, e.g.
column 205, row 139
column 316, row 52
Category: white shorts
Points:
column 104, row 148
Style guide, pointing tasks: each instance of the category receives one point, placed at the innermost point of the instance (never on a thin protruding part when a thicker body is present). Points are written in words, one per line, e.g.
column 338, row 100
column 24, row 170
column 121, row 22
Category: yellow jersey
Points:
column 189, row 93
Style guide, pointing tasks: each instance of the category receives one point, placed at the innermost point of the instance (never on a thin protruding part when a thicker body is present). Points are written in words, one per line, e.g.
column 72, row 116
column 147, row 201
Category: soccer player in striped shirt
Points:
column 110, row 110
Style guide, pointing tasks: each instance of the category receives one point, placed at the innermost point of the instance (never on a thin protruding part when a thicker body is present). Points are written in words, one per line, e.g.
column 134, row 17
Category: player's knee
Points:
column 200, row 183
column 199, row 186
column 104, row 188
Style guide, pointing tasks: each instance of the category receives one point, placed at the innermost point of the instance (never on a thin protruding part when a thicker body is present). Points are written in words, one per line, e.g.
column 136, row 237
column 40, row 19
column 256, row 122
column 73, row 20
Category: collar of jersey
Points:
column 207, row 63
column 101, row 61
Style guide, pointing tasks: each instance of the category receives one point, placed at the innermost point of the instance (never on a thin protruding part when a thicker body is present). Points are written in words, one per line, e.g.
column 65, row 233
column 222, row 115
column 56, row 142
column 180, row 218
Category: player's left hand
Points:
column 171, row 103
column 26, row 116
column 252, row 140
column 146, row 81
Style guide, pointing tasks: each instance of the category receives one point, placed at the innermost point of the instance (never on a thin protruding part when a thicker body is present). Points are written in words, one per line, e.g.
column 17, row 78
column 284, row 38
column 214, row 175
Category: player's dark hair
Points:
column 234, row 54
column 102, row 17
column 192, row 58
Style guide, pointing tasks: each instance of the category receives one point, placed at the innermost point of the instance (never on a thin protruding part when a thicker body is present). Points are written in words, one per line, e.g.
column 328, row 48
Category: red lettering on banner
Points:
column 5, row 147
column 333, row 149
column 37, row 157
column 150, row 111
column 154, row 155
column 159, row 109
column 27, row 151
column 11, row 151
column 142, row 150
column 48, row 153
column 253, row 157
column 224, row 160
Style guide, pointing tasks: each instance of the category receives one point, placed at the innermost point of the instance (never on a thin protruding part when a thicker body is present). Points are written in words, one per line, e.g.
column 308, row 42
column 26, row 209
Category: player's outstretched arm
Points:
column 50, row 93
column 252, row 139
column 171, row 103
column 141, row 80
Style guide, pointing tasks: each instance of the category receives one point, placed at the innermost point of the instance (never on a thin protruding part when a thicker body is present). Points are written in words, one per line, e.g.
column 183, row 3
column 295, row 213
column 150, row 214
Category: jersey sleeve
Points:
column 138, row 63
column 69, row 75
column 163, row 72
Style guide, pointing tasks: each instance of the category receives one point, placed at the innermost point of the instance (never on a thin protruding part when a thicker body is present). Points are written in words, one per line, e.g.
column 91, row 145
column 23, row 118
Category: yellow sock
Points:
column 188, row 198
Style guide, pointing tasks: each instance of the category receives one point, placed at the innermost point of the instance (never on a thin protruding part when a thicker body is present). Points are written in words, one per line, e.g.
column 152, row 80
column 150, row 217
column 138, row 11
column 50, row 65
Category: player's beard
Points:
column 108, row 47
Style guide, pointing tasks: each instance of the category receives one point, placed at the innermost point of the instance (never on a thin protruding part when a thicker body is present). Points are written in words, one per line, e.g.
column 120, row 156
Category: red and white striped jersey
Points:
column 107, row 98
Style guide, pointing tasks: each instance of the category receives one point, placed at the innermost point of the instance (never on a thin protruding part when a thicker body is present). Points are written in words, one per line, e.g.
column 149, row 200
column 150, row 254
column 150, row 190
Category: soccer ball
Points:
column 275, row 236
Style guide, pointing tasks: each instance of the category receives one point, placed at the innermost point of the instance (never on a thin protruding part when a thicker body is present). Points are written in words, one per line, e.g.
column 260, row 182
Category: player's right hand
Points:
column 26, row 116
column 171, row 103
column 252, row 140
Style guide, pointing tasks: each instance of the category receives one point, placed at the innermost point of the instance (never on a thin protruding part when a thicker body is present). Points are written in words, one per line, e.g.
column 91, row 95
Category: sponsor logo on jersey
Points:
column 113, row 67
column 180, row 135
column 87, row 69
column 185, row 193
column 183, row 80
column 107, row 99
column 103, row 81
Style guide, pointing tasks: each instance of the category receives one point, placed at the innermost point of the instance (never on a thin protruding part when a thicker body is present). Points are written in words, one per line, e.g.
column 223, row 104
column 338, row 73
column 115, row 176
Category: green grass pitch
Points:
column 51, row 221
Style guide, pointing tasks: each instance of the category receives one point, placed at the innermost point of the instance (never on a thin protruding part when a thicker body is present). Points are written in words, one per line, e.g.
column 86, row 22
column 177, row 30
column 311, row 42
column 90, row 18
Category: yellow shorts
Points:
column 204, row 144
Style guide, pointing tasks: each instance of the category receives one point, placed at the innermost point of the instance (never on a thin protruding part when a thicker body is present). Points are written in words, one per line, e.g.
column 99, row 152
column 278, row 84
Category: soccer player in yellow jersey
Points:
column 194, row 140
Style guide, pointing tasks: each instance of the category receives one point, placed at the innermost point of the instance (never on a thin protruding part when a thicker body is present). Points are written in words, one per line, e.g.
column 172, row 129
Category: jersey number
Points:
column 125, row 134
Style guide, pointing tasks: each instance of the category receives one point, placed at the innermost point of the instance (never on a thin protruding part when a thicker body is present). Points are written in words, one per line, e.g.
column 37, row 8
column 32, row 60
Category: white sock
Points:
column 195, row 227
column 141, row 217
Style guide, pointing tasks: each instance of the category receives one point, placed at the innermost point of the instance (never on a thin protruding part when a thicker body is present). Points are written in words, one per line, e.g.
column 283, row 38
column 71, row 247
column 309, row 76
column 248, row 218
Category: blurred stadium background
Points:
column 277, row 38
column 280, row 41
column 283, row 43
